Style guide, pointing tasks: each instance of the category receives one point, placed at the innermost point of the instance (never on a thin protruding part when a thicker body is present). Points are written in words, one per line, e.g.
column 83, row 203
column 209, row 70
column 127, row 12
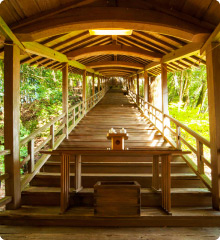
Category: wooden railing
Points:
column 6, row 199
column 58, row 130
column 174, row 136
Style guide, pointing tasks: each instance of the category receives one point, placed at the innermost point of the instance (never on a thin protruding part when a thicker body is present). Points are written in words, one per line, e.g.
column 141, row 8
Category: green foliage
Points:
column 189, row 88
column 198, row 122
column 41, row 97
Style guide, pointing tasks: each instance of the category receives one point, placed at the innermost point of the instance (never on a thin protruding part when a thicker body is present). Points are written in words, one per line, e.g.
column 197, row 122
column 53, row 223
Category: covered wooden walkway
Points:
column 158, row 37
column 117, row 111
column 40, row 201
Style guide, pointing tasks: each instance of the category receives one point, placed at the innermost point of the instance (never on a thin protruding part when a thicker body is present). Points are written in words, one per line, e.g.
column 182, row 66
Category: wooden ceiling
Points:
column 160, row 29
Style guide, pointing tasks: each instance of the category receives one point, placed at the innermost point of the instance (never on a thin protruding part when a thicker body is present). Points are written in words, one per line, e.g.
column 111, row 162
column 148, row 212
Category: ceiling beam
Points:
column 113, row 49
column 84, row 18
column 214, row 37
column 183, row 52
column 115, row 64
column 8, row 35
column 39, row 49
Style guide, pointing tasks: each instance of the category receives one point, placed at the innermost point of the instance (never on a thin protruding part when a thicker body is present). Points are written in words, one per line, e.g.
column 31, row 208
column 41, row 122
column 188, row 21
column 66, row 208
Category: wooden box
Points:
column 117, row 199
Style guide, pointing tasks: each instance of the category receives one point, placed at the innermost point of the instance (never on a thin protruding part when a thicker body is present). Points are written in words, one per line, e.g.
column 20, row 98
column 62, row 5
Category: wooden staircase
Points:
column 115, row 110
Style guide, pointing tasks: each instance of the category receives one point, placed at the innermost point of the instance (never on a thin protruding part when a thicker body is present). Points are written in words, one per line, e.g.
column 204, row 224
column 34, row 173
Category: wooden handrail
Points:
column 5, row 152
column 190, row 131
column 40, row 130
column 200, row 141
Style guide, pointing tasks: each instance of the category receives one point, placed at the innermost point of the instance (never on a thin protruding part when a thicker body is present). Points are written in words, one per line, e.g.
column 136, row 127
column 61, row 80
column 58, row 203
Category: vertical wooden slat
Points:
column 169, row 157
column 31, row 153
column 155, row 172
column 52, row 136
column 65, row 97
column 166, row 183
column 200, row 163
column 78, row 170
column 162, row 181
column 178, row 134
column 65, row 182
column 12, row 122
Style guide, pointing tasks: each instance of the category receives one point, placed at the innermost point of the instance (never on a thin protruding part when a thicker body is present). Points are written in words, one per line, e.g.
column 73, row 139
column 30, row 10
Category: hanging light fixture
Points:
column 110, row 32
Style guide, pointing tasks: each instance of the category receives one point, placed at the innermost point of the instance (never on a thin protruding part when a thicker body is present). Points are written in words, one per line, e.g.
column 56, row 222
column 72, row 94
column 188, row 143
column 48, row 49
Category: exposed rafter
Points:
column 104, row 64
column 113, row 49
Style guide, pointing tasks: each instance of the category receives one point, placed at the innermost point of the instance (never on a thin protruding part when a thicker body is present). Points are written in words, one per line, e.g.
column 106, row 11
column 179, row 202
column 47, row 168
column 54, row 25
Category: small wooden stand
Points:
column 118, row 140
column 117, row 199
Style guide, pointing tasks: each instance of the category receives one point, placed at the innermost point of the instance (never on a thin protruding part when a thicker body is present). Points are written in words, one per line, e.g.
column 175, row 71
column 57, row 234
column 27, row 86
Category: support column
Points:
column 146, row 87
column 65, row 97
column 165, row 121
column 132, row 84
column 213, row 78
column 138, row 90
column 164, row 88
column 98, row 84
column 84, row 91
column 93, row 84
column 12, row 123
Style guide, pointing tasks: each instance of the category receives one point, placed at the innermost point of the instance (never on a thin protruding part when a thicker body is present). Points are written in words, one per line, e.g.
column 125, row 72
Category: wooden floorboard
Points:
column 70, row 233
column 84, row 216
column 118, row 111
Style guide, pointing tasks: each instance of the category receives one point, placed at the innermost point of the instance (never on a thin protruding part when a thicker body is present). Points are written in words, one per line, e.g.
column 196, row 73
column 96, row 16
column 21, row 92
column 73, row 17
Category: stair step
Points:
column 181, row 180
column 116, row 159
column 50, row 196
column 120, row 167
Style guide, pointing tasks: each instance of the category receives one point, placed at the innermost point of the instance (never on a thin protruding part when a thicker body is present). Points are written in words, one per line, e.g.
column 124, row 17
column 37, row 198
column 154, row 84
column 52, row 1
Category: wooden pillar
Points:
column 213, row 78
column 84, row 86
column 84, row 91
column 98, row 84
column 138, row 90
column 65, row 96
column 146, row 87
column 93, row 84
column 12, row 123
column 164, row 88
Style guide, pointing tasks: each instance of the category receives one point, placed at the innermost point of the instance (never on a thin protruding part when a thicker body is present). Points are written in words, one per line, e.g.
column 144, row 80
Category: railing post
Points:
column 74, row 114
column 31, row 153
column 155, row 173
column 52, row 136
column 163, row 124
column 200, row 163
column 178, row 134
column 65, row 97
column 80, row 110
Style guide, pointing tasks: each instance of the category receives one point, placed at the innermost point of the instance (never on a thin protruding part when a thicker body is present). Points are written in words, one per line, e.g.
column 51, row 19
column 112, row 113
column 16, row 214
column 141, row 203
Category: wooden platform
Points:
column 84, row 216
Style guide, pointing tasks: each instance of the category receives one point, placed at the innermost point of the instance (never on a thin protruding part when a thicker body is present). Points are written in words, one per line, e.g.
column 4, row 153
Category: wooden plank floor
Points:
column 69, row 233
column 118, row 111
column 84, row 216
